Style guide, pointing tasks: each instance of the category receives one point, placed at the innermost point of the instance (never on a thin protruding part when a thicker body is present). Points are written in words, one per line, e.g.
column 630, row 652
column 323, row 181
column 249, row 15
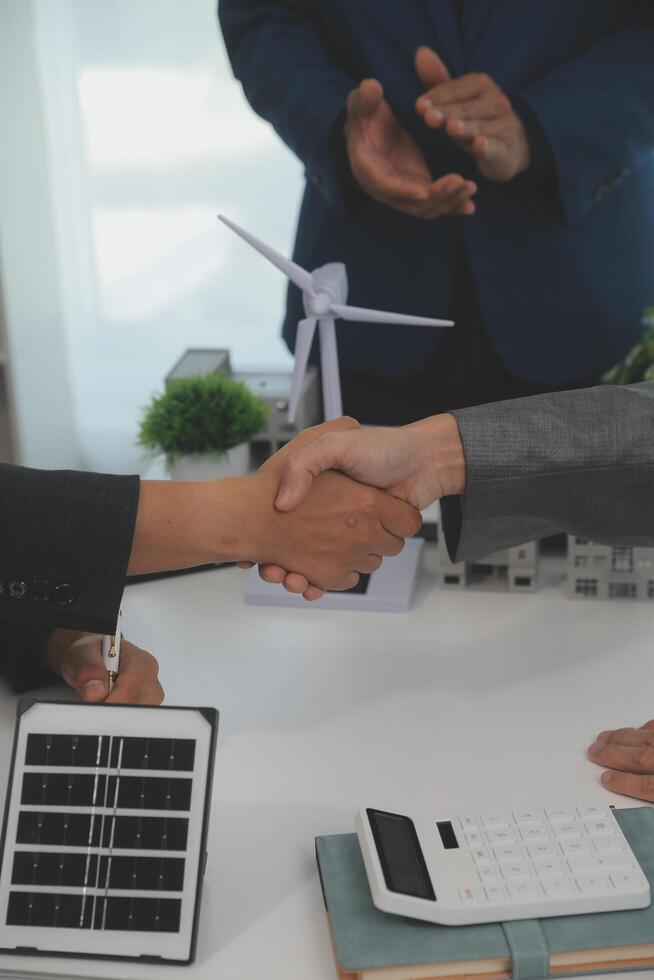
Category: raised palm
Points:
column 381, row 144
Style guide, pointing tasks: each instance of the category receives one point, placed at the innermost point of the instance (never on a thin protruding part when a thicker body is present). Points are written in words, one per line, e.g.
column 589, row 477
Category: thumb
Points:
column 365, row 99
column 430, row 68
column 303, row 467
column 82, row 668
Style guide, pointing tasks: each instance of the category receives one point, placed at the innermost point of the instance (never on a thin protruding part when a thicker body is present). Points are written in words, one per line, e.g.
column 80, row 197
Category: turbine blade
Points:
column 304, row 339
column 362, row 315
column 302, row 279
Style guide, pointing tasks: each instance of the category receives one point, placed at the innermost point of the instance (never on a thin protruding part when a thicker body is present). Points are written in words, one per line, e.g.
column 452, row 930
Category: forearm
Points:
column 181, row 524
column 70, row 539
column 577, row 461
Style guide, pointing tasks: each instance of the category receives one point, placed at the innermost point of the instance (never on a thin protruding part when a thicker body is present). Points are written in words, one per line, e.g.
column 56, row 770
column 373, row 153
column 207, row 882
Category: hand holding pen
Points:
column 78, row 659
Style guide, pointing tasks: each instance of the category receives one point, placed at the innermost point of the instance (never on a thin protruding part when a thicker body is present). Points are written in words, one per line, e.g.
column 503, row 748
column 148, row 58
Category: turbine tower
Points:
column 324, row 292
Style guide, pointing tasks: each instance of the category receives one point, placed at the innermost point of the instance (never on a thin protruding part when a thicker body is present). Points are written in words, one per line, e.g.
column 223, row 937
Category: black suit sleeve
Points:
column 66, row 539
column 21, row 656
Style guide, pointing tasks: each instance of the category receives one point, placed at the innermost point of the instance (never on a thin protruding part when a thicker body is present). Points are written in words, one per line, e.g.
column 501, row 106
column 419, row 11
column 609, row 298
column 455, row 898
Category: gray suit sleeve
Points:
column 577, row 461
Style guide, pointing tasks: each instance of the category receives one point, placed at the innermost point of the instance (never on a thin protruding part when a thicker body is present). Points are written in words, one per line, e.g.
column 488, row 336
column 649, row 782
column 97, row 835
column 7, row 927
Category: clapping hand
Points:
column 473, row 111
column 389, row 165
column 476, row 114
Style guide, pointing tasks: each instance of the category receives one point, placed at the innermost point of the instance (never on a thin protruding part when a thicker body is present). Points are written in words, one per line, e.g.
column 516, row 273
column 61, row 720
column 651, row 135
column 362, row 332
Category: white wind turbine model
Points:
column 324, row 292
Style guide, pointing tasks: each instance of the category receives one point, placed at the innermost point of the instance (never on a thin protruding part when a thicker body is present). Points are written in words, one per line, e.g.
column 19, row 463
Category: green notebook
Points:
column 373, row 945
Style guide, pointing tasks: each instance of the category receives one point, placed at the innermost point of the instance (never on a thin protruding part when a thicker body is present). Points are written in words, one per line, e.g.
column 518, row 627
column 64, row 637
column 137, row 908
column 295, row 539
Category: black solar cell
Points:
column 48, row 909
column 142, row 873
column 175, row 754
column 67, row 750
column 49, row 868
column 63, row 789
column 149, row 793
column 146, row 833
column 74, row 829
column 138, row 914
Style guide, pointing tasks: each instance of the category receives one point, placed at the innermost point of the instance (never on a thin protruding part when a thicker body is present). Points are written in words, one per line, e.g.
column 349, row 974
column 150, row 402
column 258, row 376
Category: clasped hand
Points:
column 474, row 113
column 414, row 465
column 330, row 535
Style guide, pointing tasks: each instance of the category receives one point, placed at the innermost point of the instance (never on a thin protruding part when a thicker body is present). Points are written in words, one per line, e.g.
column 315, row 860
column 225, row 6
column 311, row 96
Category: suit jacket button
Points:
column 40, row 590
column 17, row 589
column 64, row 594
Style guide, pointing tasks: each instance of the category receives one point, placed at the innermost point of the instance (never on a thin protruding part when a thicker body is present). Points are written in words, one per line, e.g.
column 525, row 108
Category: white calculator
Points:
column 490, row 867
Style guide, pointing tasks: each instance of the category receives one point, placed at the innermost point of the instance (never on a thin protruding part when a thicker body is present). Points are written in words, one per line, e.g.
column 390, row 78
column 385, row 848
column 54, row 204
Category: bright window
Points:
column 150, row 138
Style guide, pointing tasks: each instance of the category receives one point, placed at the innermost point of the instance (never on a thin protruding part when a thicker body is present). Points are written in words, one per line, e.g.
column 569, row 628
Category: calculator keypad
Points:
column 530, row 855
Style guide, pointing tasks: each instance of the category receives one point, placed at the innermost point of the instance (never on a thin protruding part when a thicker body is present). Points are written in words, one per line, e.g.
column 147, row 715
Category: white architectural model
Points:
column 512, row 570
column 324, row 292
column 605, row 572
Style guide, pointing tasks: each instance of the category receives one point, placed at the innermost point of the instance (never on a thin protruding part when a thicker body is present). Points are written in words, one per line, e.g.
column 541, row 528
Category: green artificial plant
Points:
column 638, row 365
column 205, row 415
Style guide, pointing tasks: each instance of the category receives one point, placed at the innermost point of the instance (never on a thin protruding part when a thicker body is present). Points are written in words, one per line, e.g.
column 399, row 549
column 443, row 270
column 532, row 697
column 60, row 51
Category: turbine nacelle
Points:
column 329, row 286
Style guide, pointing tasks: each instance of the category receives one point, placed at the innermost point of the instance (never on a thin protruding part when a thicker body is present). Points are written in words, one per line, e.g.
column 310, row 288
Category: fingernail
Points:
column 283, row 497
column 602, row 738
column 93, row 690
column 595, row 747
column 607, row 777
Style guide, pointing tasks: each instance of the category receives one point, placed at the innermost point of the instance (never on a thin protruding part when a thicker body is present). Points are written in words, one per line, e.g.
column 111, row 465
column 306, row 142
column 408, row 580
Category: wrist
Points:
column 57, row 646
column 242, row 509
column 440, row 454
column 186, row 523
column 232, row 518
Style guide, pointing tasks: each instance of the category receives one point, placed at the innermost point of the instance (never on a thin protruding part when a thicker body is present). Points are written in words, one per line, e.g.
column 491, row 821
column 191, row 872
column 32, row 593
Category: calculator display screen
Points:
column 400, row 854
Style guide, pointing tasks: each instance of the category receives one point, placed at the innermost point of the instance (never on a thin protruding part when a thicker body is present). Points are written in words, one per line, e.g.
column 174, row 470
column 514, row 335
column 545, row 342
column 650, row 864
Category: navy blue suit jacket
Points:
column 562, row 271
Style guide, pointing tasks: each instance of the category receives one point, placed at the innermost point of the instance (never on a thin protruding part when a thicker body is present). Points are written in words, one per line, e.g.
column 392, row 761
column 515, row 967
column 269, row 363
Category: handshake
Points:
column 330, row 505
column 338, row 499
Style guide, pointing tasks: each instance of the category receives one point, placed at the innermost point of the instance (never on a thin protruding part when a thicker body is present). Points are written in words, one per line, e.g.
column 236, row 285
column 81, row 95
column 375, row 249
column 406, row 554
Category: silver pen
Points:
column 111, row 653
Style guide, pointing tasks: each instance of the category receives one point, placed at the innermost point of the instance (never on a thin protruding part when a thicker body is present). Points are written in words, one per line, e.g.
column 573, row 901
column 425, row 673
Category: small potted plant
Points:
column 638, row 365
column 203, row 426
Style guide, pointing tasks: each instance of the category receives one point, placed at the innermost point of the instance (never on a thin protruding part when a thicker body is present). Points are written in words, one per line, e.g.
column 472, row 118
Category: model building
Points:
column 512, row 570
column 599, row 571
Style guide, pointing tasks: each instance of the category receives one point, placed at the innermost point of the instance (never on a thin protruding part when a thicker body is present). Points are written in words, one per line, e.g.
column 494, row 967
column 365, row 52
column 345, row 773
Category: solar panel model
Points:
column 105, row 829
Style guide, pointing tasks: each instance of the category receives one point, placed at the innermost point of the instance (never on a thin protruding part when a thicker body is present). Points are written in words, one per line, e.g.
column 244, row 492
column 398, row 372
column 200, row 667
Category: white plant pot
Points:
column 206, row 466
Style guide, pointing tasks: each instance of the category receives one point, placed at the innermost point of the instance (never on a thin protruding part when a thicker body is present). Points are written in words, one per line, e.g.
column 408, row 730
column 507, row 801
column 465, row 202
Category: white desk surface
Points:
column 471, row 699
